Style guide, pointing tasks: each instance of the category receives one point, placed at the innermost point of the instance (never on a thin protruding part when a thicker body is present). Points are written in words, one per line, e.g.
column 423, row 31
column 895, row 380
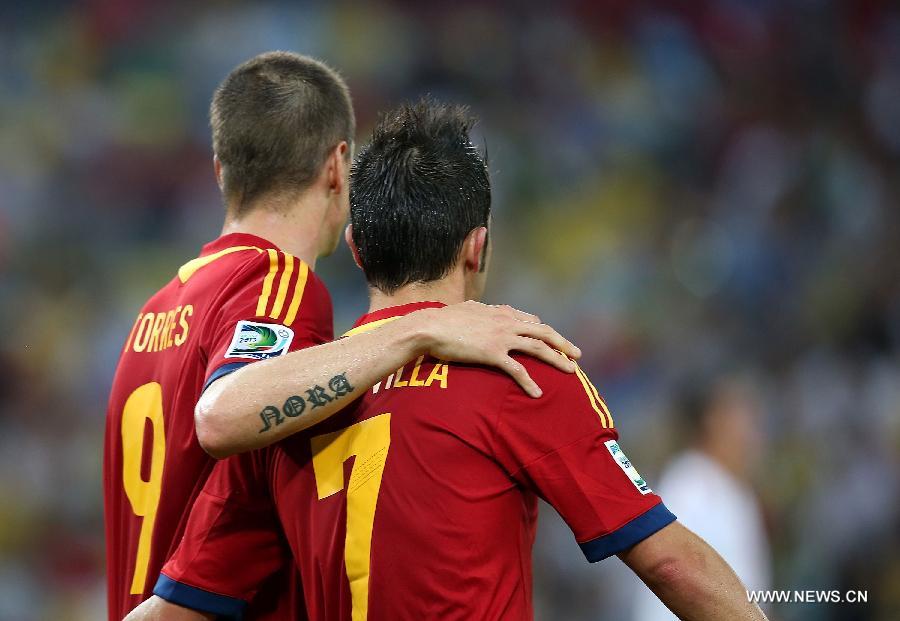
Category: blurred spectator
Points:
column 708, row 486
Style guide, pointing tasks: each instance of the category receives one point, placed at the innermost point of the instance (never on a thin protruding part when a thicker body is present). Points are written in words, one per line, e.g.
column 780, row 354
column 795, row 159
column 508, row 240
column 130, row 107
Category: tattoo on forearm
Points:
column 270, row 415
column 317, row 396
column 339, row 385
column 295, row 405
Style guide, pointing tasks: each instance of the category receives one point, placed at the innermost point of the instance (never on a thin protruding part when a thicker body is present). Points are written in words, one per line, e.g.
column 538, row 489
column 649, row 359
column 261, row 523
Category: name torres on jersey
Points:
column 157, row 331
column 154, row 332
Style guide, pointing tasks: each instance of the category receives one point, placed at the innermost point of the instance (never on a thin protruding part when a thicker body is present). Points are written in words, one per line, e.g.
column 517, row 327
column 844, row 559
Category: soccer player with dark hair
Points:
column 420, row 500
column 282, row 128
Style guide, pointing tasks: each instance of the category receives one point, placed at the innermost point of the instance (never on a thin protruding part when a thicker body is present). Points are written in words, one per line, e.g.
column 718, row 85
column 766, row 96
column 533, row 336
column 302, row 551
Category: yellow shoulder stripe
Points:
column 187, row 270
column 594, row 397
column 600, row 401
column 285, row 295
column 283, row 286
column 302, row 275
column 263, row 301
column 369, row 326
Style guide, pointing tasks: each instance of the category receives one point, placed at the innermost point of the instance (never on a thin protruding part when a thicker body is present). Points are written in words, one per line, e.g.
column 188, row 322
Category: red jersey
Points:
column 420, row 501
column 240, row 301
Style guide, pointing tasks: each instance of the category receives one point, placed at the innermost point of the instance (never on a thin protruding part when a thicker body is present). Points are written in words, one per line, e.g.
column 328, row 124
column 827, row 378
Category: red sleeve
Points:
column 272, row 305
column 564, row 447
column 232, row 543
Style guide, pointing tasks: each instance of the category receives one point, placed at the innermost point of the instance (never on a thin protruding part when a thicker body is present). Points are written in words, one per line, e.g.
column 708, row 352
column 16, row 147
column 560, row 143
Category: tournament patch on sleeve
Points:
column 259, row 341
column 625, row 464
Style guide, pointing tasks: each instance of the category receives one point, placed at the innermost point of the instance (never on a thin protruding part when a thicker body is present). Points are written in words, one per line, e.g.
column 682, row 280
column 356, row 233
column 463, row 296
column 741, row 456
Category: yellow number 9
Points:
column 145, row 403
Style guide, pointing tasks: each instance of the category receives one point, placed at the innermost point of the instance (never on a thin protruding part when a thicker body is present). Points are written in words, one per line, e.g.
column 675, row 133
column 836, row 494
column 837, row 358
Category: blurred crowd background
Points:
column 697, row 193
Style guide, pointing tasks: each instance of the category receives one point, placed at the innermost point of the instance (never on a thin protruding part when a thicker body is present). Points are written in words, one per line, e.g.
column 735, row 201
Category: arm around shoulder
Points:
column 267, row 401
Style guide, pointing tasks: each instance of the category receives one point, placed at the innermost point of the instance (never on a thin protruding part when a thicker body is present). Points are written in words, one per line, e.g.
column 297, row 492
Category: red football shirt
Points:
column 240, row 301
column 420, row 501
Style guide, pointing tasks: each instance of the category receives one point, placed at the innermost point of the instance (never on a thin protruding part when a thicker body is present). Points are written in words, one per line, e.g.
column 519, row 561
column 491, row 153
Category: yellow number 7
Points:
column 145, row 403
column 369, row 441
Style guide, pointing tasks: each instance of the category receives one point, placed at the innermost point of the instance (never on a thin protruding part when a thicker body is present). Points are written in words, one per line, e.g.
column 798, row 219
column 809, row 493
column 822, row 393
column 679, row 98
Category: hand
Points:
column 472, row 332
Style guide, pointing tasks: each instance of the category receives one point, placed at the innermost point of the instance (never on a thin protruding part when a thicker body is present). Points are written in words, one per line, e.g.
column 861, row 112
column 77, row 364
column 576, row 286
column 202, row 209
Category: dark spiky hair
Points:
column 417, row 190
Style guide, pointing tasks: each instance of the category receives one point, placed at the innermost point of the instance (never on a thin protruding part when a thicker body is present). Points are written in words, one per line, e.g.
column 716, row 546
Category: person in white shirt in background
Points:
column 707, row 486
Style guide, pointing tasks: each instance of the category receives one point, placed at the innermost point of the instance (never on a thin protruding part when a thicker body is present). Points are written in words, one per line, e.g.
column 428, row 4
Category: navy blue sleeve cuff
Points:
column 198, row 599
column 221, row 372
column 626, row 536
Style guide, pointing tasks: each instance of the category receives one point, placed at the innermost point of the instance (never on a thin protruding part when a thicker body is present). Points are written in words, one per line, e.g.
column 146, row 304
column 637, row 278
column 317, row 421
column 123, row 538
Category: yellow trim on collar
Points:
column 370, row 326
column 187, row 270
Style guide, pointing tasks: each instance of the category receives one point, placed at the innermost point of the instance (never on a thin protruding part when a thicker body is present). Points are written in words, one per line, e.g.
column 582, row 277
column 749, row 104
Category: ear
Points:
column 336, row 168
column 473, row 248
column 217, row 166
column 348, row 237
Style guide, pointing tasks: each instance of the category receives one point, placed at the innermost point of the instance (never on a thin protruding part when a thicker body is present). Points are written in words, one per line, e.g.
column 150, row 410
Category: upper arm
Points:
column 565, row 448
column 272, row 305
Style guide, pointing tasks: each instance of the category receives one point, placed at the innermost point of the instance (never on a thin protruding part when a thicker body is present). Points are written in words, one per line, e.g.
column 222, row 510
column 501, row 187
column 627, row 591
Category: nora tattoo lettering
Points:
column 271, row 417
column 295, row 405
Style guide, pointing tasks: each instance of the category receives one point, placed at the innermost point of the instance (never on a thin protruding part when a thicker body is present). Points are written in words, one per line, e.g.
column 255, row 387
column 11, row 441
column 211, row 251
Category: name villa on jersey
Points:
column 154, row 332
column 414, row 379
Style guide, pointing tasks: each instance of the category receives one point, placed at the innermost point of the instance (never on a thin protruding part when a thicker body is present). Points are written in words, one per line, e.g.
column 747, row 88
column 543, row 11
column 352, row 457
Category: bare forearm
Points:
column 712, row 592
column 690, row 578
column 270, row 400
column 158, row 609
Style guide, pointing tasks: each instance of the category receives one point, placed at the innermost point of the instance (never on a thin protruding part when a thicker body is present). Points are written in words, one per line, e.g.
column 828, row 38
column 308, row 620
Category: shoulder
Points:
column 551, row 380
column 316, row 292
column 539, row 369
column 555, row 382
column 277, row 284
column 559, row 388
column 563, row 393
column 228, row 261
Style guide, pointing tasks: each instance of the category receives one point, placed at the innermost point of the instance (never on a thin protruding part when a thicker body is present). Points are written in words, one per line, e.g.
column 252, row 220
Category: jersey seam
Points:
column 495, row 433
column 230, row 499
column 553, row 452
column 494, row 430
column 274, row 458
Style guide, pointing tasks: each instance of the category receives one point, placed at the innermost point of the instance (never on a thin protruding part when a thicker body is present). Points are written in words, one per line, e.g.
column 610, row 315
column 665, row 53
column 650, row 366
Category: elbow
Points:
column 212, row 433
column 667, row 572
column 677, row 573
column 214, row 445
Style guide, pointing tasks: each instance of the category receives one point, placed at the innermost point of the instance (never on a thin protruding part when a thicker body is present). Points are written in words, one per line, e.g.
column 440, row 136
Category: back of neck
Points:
column 294, row 231
column 449, row 290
